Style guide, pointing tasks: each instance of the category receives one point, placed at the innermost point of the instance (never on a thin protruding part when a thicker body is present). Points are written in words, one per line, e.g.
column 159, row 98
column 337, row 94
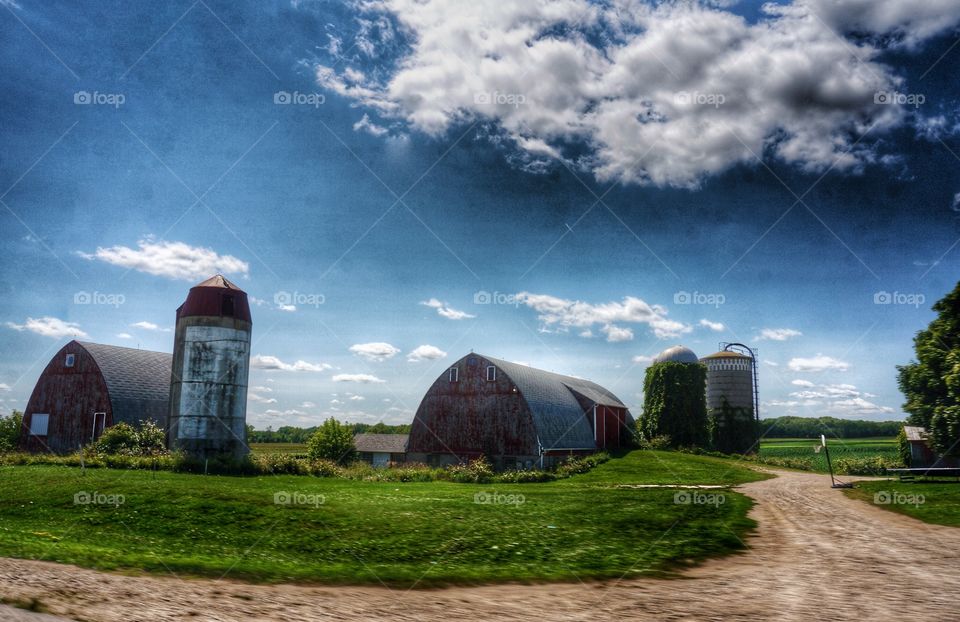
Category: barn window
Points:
column 38, row 424
column 491, row 373
column 71, row 358
column 226, row 305
column 454, row 374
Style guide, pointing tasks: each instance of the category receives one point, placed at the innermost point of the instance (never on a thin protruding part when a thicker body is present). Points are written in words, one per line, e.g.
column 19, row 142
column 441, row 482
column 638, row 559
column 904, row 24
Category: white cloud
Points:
column 283, row 413
column 368, row 126
column 4, row 386
column 377, row 351
column 261, row 361
column 858, row 406
column 262, row 389
column 817, row 363
column 124, row 336
column 802, row 383
column 287, row 308
column 150, row 326
column 361, row 378
column 642, row 359
column 641, row 83
column 446, row 311
column 771, row 363
column 425, row 353
column 307, row 405
column 777, row 334
column 714, row 326
column 50, row 327
column 562, row 314
column 357, row 398
column 254, row 397
column 173, row 260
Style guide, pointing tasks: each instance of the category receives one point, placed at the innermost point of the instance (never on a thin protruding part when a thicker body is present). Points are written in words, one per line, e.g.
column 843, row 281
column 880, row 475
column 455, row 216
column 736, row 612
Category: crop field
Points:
column 278, row 448
column 806, row 449
column 301, row 528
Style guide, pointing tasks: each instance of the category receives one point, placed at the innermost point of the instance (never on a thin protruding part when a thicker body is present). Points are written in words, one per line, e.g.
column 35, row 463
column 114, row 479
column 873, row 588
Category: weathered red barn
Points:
column 88, row 387
column 515, row 415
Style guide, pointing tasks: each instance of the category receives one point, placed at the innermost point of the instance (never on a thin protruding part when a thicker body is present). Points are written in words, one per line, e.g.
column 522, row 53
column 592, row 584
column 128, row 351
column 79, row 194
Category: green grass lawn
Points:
column 804, row 449
column 930, row 501
column 367, row 532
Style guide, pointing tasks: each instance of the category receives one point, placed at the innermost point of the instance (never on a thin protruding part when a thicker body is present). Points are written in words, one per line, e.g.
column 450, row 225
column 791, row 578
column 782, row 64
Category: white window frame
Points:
column 71, row 360
column 491, row 377
column 453, row 374
column 35, row 429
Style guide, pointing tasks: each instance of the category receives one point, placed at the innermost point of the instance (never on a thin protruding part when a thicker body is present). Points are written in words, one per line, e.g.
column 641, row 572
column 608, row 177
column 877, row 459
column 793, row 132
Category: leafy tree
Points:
column 733, row 430
column 332, row 441
column 931, row 384
column 675, row 404
column 813, row 427
column 148, row 439
column 10, row 431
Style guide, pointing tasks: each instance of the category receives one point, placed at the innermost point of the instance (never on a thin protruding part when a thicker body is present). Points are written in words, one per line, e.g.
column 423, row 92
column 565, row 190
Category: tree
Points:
column 332, row 441
column 733, row 430
column 10, row 431
column 675, row 403
column 931, row 384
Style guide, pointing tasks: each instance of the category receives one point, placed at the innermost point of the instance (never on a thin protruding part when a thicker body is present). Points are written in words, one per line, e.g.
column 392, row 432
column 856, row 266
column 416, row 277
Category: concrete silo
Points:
column 732, row 398
column 211, row 363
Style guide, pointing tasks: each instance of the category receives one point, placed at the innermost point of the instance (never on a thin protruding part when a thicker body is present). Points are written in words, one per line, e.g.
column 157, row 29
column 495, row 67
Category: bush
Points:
column 874, row 465
column 332, row 441
column 10, row 431
column 123, row 439
column 477, row 471
column 661, row 441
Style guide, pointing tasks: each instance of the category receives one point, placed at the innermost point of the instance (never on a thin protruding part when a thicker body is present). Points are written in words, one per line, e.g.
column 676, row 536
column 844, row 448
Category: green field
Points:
column 343, row 531
column 805, row 449
column 930, row 501
column 278, row 448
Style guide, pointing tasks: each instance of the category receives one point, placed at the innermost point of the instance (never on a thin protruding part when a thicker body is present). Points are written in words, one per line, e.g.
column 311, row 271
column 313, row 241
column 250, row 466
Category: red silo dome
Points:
column 216, row 297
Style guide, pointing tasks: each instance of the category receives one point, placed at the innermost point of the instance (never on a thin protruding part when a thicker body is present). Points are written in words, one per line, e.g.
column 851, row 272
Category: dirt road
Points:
column 815, row 555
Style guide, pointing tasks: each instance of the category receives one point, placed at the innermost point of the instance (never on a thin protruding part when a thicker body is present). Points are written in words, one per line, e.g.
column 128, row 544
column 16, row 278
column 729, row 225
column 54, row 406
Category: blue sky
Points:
column 619, row 177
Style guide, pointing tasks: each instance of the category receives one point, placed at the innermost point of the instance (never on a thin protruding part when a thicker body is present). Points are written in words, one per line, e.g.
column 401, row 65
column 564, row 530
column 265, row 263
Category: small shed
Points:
column 88, row 387
column 381, row 450
column 920, row 453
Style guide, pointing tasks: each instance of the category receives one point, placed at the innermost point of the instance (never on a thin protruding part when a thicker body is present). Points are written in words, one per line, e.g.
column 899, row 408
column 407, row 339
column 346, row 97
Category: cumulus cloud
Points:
column 149, row 326
column 425, row 353
column 361, row 378
column 562, row 314
column 4, row 386
column 254, row 397
column 124, row 336
column 843, row 400
column 50, row 327
column 173, row 260
column 368, row 126
column 817, row 363
column 658, row 93
column 777, row 334
column 272, row 363
column 642, row 359
column 443, row 310
column 377, row 351
column 714, row 326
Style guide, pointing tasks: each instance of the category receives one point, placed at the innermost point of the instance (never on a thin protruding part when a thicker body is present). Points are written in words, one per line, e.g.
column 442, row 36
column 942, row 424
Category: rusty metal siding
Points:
column 71, row 396
column 473, row 416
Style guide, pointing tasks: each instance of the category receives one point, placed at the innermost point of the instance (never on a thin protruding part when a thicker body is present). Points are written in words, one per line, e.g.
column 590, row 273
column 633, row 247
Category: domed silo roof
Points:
column 676, row 354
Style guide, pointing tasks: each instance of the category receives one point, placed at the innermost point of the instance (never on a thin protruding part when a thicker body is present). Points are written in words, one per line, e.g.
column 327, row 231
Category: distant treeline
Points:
column 812, row 427
column 291, row 434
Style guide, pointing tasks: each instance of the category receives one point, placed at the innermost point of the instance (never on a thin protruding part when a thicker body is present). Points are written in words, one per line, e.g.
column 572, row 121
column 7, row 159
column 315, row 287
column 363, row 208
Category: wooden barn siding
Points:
column 473, row 416
column 70, row 395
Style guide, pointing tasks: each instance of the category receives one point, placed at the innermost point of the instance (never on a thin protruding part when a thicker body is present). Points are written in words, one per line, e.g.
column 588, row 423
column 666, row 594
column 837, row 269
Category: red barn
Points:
column 515, row 415
column 88, row 387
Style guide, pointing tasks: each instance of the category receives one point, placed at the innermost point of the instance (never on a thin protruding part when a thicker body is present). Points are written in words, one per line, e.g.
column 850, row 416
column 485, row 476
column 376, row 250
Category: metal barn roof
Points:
column 558, row 416
column 134, row 379
column 377, row 443
column 914, row 433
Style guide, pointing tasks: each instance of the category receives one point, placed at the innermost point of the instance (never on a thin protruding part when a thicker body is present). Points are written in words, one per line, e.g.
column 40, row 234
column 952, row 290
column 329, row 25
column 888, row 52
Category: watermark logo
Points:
column 483, row 297
column 892, row 497
column 86, row 98
column 98, row 498
column 696, row 98
column 296, row 98
column 693, row 497
column 498, row 498
column 699, row 298
column 284, row 497
column 98, row 298
column 293, row 299
column 486, row 98
column 899, row 99
column 898, row 298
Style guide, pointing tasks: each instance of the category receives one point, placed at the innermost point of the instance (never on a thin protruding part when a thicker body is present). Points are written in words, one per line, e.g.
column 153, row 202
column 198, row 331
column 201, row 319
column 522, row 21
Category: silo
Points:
column 731, row 382
column 211, row 363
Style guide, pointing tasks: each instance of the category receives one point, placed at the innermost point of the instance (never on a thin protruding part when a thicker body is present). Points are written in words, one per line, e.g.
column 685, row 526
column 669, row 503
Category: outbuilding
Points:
column 88, row 387
column 515, row 415
column 382, row 450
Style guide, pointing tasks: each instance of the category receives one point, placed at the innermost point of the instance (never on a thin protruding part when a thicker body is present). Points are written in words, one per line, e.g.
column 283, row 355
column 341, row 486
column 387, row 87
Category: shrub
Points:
column 332, row 441
column 477, row 471
column 903, row 447
column 661, row 441
column 874, row 465
column 10, row 431
column 119, row 439
column 324, row 468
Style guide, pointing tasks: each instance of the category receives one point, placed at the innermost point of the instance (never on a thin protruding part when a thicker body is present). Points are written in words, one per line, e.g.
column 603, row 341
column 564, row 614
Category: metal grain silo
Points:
column 211, row 362
column 732, row 378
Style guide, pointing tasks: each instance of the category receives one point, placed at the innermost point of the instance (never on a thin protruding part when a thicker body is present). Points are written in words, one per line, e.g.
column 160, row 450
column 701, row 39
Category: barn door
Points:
column 99, row 423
